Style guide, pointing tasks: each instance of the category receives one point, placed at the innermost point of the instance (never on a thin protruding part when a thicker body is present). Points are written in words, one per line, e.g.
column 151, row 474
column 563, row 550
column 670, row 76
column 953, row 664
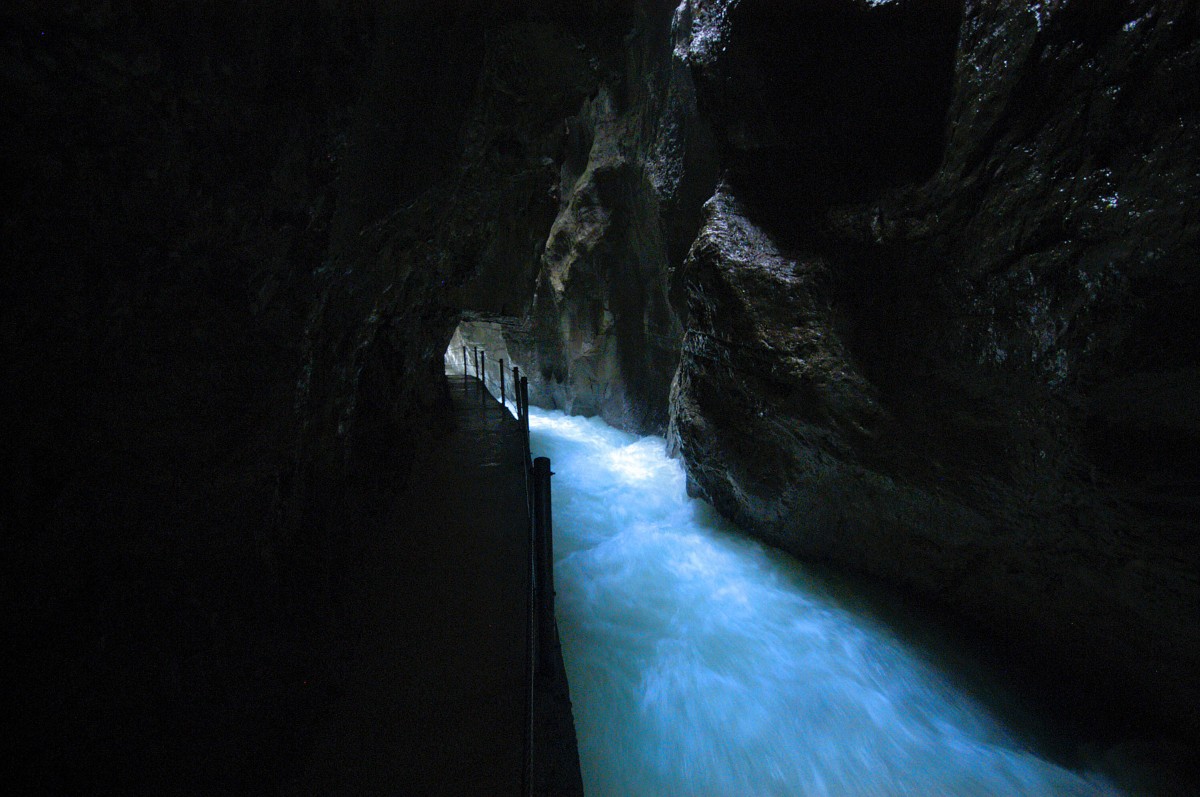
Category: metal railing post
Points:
column 517, row 390
column 523, row 403
column 530, row 662
column 466, row 371
column 525, row 415
column 483, row 367
column 543, row 532
column 501, row 381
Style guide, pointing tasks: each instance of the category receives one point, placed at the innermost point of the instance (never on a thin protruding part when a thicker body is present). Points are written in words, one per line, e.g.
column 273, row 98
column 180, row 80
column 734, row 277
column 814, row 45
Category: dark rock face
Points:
column 174, row 185
column 969, row 379
column 240, row 240
column 223, row 323
column 636, row 165
column 922, row 274
column 822, row 102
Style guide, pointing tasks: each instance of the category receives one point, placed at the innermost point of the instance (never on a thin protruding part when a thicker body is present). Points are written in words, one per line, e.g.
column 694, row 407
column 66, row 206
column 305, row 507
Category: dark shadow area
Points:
column 833, row 102
column 1080, row 724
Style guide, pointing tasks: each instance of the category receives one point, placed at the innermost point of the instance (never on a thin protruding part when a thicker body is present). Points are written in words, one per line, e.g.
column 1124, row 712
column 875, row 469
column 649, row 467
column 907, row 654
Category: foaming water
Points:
column 701, row 664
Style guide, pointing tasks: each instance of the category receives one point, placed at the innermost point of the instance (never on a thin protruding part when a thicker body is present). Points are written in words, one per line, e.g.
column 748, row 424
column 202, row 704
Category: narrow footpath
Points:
column 437, row 701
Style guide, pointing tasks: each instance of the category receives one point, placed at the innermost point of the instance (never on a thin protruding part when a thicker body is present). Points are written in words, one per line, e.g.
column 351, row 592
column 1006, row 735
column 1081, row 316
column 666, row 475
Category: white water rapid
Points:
column 701, row 663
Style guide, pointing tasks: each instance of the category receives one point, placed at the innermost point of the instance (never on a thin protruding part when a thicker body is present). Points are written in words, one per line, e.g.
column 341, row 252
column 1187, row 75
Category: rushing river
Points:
column 701, row 663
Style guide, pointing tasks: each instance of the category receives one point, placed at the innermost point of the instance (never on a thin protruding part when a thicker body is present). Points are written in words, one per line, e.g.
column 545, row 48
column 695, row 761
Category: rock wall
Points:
column 241, row 238
column 967, row 372
column 911, row 284
column 635, row 164
column 171, row 187
column 927, row 268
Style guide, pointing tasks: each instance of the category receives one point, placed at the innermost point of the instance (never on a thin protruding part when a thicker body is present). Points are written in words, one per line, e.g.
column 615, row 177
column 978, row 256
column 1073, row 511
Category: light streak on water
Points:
column 700, row 664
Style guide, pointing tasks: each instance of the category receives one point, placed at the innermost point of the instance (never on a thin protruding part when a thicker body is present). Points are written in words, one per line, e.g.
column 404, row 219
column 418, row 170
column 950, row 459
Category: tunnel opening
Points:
column 492, row 338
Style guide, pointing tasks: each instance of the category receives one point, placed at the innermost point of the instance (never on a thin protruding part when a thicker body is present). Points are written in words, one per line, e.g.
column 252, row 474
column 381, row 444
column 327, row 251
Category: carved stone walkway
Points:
column 437, row 701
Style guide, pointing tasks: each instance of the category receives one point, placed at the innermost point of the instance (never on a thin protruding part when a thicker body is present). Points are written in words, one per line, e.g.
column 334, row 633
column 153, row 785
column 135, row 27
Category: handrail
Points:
column 531, row 620
column 540, row 622
column 543, row 544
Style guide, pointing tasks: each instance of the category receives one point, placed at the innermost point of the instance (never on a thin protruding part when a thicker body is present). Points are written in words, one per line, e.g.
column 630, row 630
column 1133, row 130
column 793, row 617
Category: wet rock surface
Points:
column 636, row 164
column 960, row 383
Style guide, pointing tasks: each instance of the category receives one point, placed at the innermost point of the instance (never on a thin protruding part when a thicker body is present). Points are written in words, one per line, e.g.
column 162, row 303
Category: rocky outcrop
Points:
column 635, row 167
column 966, row 372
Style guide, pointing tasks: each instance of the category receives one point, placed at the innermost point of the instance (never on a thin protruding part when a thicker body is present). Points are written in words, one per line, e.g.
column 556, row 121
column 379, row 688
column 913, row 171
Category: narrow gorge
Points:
column 908, row 288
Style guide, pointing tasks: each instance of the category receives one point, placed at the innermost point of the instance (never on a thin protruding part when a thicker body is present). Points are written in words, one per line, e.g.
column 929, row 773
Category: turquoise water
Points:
column 702, row 664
